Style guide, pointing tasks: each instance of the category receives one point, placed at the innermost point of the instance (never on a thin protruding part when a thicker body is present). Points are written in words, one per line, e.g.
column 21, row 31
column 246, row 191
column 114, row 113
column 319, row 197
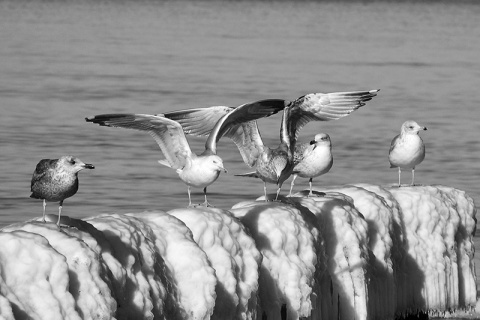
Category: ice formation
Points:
column 351, row 252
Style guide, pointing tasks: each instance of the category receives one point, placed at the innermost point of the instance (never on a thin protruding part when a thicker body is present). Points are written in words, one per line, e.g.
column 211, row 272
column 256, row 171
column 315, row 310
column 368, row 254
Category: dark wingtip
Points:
column 95, row 119
column 102, row 118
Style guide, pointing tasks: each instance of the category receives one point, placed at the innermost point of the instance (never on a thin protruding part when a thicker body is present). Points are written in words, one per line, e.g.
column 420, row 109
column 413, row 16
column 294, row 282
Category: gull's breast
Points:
column 408, row 152
column 199, row 174
column 315, row 163
column 56, row 187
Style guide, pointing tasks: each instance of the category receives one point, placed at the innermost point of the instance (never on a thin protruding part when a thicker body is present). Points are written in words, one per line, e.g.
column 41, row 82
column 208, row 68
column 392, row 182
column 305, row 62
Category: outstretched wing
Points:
column 244, row 116
column 245, row 136
column 248, row 141
column 198, row 121
column 167, row 133
column 325, row 107
column 237, row 124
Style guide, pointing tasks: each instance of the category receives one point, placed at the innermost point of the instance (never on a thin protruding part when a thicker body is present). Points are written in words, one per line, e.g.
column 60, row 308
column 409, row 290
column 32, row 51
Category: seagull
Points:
column 407, row 149
column 55, row 180
column 274, row 165
column 312, row 159
column 194, row 170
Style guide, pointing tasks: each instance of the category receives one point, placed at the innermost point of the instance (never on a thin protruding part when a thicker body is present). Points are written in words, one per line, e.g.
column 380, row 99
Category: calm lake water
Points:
column 61, row 61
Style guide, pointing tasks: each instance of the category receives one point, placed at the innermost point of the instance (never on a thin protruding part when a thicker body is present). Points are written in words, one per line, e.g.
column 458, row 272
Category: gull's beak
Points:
column 88, row 166
column 313, row 142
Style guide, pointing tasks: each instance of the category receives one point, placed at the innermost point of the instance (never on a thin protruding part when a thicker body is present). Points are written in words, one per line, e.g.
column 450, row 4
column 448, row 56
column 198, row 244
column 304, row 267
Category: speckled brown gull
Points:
column 274, row 165
column 198, row 171
column 55, row 180
column 407, row 149
column 312, row 159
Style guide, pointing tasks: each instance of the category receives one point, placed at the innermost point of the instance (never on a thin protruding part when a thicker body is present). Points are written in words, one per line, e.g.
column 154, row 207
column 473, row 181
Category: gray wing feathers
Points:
column 394, row 142
column 326, row 107
column 199, row 121
column 392, row 146
column 241, row 127
column 299, row 152
column 167, row 133
column 235, row 123
column 249, row 174
column 245, row 113
column 173, row 144
column 248, row 141
column 42, row 168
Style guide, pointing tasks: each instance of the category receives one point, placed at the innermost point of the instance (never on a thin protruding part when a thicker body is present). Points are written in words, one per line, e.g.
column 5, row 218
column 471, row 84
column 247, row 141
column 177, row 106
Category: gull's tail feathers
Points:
column 164, row 162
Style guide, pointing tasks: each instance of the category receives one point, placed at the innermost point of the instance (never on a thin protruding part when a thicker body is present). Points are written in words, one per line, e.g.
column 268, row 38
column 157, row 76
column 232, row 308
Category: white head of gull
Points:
column 56, row 179
column 407, row 149
column 274, row 165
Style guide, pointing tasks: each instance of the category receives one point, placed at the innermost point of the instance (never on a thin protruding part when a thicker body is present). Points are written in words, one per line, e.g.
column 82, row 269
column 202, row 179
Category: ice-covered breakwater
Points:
column 353, row 252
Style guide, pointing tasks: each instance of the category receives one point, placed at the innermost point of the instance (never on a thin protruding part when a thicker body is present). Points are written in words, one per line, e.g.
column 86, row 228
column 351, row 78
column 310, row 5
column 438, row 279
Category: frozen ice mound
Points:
column 350, row 252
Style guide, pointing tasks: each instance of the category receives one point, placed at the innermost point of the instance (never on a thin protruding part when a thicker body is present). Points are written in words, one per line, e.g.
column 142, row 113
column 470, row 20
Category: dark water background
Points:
column 61, row 61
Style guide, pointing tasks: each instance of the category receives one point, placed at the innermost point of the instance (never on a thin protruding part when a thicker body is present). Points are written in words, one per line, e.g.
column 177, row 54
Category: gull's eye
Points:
column 72, row 161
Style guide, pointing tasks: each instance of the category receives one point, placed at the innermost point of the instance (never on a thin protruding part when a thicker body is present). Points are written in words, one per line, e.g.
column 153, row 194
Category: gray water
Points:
column 61, row 61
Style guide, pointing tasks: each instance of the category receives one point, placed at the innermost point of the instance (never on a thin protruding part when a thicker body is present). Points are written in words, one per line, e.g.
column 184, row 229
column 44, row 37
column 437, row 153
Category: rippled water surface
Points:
column 61, row 61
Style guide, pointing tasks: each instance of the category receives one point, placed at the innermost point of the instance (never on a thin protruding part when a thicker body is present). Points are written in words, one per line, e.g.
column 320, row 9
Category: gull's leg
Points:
column 399, row 173
column 292, row 184
column 44, row 205
column 265, row 190
column 413, row 176
column 206, row 204
column 310, row 182
column 189, row 198
column 59, row 213
column 278, row 192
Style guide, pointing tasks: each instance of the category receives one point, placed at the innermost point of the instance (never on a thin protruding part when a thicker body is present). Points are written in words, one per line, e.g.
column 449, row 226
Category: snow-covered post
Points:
column 290, row 266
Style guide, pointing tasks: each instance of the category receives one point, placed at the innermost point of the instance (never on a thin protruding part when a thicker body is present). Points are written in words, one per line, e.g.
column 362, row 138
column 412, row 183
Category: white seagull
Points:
column 312, row 159
column 274, row 165
column 407, row 149
column 56, row 179
column 194, row 170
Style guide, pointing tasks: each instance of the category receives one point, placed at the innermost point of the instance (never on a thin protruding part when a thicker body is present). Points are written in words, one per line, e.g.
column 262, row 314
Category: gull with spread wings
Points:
column 273, row 165
column 194, row 170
